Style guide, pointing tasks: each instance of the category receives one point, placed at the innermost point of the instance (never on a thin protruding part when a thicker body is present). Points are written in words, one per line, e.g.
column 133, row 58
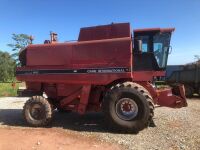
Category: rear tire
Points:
column 37, row 111
column 137, row 109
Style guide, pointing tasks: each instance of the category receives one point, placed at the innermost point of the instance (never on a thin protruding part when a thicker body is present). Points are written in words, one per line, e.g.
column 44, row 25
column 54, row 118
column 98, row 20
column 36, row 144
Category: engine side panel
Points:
column 103, row 53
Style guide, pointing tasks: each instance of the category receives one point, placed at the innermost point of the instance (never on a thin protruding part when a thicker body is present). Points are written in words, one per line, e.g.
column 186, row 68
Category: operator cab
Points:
column 151, row 49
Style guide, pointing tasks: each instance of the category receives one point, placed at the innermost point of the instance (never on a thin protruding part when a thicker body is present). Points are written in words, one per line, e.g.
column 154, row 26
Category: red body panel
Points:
column 100, row 53
column 81, row 71
column 167, row 98
column 98, row 79
column 112, row 31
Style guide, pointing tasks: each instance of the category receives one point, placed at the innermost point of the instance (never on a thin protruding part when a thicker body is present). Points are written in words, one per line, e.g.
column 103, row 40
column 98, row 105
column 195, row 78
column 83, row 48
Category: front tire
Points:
column 37, row 111
column 128, row 107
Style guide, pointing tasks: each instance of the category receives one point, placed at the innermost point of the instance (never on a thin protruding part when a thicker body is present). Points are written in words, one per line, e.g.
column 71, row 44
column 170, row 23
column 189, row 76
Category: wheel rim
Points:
column 126, row 109
column 37, row 112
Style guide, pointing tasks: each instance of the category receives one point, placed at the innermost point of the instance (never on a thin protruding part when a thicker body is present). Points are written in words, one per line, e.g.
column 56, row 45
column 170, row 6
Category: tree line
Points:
column 9, row 62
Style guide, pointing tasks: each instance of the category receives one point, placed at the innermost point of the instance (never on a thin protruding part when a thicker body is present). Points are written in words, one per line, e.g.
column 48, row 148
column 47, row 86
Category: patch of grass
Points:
column 6, row 89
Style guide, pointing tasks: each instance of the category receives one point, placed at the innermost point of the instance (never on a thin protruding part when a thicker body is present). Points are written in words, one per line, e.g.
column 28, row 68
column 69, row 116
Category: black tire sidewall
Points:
column 47, row 110
column 143, row 108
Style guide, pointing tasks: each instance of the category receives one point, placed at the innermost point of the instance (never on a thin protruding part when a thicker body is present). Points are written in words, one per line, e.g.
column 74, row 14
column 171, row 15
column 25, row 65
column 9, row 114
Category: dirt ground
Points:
column 176, row 129
column 16, row 135
column 49, row 139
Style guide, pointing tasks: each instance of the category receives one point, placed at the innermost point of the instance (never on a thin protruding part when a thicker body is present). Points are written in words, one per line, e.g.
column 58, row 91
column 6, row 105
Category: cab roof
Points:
column 154, row 30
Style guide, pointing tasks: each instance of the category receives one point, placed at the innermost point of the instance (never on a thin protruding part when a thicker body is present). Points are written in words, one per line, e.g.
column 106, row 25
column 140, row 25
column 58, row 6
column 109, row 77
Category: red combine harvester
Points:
column 108, row 69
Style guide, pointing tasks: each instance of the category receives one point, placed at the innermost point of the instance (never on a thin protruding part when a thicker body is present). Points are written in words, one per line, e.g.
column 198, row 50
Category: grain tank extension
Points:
column 109, row 69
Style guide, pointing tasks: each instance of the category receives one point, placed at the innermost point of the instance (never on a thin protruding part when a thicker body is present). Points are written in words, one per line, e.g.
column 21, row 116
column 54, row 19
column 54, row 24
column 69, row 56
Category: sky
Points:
column 66, row 17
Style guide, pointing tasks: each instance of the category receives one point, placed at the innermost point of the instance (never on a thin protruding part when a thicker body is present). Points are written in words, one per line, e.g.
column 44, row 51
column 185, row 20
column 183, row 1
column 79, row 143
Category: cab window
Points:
column 145, row 43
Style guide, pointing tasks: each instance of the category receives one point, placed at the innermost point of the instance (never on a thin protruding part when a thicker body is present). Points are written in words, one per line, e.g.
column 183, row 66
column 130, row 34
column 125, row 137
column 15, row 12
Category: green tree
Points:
column 7, row 67
column 20, row 42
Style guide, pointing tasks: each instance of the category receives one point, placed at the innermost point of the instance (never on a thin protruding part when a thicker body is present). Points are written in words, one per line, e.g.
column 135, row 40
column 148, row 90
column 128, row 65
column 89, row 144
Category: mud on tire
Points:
column 37, row 111
column 138, row 97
